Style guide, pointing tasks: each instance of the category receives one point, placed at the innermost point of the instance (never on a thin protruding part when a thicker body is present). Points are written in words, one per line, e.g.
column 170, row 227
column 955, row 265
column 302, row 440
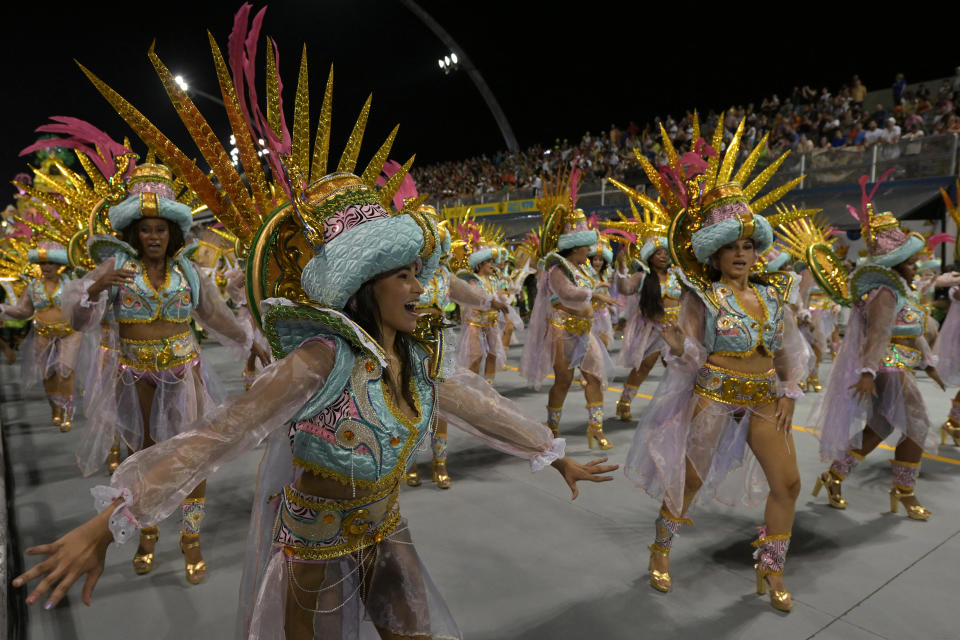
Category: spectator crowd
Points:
column 806, row 121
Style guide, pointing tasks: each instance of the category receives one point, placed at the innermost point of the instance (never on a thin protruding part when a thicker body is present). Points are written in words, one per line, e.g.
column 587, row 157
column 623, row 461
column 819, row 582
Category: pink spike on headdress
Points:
column 574, row 183
column 868, row 198
column 935, row 241
column 83, row 136
column 408, row 188
column 471, row 230
column 856, row 214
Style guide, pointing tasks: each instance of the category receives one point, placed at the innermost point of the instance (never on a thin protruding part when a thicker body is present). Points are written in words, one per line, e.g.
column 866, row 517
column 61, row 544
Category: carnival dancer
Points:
column 725, row 405
column 481, row 341
column 655, row 288
column 52, row 348
column 329, row 551
column 74, row 196
column 161, row 383
column 872, row 378
column 817, row 321
column 559, row 336
column 947, row 345
column 442, row 288
column 601, row 259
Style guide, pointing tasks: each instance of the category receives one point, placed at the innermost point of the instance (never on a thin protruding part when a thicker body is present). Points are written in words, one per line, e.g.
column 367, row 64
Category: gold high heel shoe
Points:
column 915, row 511
column 833, row 483
column 952, row 429
column 65, row 423
column 56, row 416
column 195, row 571
column 780, row 599
column 113, row 459
column 440, row 475
column 143, row 562
column 595, row 434
column 412, row 478
column 659, row 580
column 623, row 411
column 813, row 381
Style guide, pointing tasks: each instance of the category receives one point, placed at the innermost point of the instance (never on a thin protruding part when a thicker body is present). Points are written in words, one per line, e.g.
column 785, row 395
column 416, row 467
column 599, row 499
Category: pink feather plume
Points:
column 935, row 241
column 82, row 136
column 626, row 235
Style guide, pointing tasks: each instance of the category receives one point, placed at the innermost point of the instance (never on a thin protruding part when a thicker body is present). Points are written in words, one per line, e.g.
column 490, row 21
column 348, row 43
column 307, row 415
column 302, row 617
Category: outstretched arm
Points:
column 150, row 484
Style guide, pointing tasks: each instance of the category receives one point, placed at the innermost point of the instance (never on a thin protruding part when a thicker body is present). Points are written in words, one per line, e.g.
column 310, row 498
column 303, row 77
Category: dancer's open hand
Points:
column 673, row 336
column 111, row 278
column 784, row 413
column 80, row 552
column 572, row 471
column 865, row 388
column 257, row 352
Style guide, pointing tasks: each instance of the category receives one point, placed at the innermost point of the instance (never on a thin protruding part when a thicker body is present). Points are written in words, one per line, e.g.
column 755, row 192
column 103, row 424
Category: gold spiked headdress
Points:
column 290, row 220
column 691, row 185
column 810, row 240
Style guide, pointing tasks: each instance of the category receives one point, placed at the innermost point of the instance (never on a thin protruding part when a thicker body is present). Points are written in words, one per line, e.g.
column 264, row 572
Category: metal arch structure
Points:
column 505, row 130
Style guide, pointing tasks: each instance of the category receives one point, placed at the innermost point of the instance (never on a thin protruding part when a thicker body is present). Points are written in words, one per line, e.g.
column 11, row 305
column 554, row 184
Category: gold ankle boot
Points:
column 143, row 562
column 813, row 382
column 659, row 580
column 952, row 429
column 623, row 410
column 56, row 416
column 780, row 599
column 412, row 477
column 832, row 482
column 195, row 571
column 440, row 475
column 915, row 511
column 595, row 435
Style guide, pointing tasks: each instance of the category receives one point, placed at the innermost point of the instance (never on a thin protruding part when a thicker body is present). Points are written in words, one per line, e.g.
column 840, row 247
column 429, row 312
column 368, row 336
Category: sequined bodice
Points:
column 671, row 288
column 732, row 331
column 40, row 298
column 140, row 302
column 362, row 438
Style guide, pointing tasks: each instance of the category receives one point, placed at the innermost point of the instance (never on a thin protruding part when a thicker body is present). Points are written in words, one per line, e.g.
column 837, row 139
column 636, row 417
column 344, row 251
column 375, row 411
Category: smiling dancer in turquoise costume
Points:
column 352, row 395
column 720, row 419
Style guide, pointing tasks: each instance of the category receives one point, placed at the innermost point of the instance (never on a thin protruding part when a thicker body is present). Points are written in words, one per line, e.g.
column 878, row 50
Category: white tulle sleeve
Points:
column 469, row 295
column 220, row 321
column 791, row 359
column 880, row 313
column 469, row 403
column 569, row 294
column 155, row 480
column 20, row 311
column 693, row 324
column 83, row 312
column 628, row 284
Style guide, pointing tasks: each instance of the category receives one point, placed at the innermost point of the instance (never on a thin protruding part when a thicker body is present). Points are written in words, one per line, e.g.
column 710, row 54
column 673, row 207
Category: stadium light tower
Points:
column 458, row 58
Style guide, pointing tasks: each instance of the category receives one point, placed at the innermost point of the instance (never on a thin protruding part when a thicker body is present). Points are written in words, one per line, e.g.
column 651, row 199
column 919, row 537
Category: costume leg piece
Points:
column 904, row 486
column 553, row 419
column 623, row 404
column 667, row 527
column 595, row 427
column 771, row 555
column 192, row 511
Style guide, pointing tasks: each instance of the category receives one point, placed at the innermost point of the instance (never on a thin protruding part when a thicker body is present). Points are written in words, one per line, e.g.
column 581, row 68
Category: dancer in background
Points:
column 657, row 290
column 872, row 379
column 52, row 348
column 161, row 383
column 559, row 336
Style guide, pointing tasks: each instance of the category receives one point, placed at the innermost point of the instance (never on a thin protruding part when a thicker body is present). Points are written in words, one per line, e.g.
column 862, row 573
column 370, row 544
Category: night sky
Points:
column 556, row 74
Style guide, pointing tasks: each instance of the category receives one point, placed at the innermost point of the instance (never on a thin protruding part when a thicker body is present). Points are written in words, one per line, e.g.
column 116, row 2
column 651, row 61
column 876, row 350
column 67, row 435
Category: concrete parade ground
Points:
column 516, row 559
